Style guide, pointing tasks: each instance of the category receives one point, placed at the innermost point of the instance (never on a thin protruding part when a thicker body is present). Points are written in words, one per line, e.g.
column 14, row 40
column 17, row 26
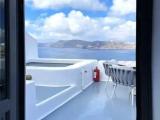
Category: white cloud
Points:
column 124, row 32
column 76, row 25
column 74, row 4
column 57, row 23
column 27, row 23
column 123, row 7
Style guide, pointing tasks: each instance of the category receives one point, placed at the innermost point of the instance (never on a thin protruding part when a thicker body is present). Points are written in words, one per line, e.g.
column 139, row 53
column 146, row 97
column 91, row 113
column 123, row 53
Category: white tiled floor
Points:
column 95, row 104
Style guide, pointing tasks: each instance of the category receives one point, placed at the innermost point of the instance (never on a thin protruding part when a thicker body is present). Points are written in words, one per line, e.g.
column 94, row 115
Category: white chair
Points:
column 123, row 76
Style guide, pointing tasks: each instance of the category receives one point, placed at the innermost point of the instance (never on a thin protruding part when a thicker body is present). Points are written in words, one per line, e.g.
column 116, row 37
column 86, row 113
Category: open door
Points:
column 11, row 60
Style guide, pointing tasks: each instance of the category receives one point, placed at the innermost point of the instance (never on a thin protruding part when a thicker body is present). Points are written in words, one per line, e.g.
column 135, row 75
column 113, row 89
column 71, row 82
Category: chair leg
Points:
column 107, row 82
column 114, row 90
column 109, row 78
column 132, row 96
column 132, row 99
column 130, row 93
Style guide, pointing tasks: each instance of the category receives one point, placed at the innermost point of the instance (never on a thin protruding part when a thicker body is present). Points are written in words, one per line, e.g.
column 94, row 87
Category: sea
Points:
column 76, row 53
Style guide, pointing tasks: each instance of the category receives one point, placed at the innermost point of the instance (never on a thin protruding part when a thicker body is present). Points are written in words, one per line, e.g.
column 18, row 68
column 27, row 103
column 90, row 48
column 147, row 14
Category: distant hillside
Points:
column 88, row 45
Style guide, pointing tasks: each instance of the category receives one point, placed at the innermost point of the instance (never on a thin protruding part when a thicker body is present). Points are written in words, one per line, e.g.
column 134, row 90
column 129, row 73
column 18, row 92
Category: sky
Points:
column 91, row 20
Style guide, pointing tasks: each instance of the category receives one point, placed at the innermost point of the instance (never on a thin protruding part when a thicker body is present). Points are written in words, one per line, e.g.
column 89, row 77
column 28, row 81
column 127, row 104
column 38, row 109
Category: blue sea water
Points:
column 76, row 53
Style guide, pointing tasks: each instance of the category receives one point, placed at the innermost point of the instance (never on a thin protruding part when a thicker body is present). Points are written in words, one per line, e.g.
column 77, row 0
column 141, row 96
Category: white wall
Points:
column 73, row 75
column 30, row 96
column 156, row 61
column 31, row 47
column 62, row 75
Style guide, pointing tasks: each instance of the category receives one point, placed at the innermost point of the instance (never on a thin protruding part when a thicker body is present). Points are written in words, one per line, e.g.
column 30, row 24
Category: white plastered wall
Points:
column 31, row 47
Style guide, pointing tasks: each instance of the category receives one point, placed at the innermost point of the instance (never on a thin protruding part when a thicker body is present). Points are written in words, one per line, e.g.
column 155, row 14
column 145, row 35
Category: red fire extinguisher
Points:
column 96, row 74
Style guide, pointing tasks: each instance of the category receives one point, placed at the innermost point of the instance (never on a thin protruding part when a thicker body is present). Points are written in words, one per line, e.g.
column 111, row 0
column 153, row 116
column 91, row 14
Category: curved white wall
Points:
column 31, row 47
column 63, row 75
column 79, row 76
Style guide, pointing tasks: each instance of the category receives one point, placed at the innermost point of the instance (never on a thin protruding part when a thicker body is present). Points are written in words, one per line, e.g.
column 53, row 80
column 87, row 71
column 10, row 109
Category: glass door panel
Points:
column 3, row 80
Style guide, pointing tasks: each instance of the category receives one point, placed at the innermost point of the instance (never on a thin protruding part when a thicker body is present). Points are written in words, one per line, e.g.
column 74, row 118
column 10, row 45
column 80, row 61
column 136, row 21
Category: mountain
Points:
column 89, row 45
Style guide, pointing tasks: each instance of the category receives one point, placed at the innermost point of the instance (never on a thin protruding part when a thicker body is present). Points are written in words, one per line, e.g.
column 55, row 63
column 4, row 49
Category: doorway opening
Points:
column 80, row 59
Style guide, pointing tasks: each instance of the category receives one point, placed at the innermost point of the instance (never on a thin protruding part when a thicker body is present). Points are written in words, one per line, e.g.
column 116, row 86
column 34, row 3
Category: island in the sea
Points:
column 89, row 45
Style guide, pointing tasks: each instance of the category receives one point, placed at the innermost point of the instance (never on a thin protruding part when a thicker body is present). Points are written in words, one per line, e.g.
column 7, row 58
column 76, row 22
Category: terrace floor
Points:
column 95, row 104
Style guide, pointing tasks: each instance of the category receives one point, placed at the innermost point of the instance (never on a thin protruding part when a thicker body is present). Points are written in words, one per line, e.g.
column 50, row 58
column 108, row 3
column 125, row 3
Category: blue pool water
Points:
column 75, row 53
